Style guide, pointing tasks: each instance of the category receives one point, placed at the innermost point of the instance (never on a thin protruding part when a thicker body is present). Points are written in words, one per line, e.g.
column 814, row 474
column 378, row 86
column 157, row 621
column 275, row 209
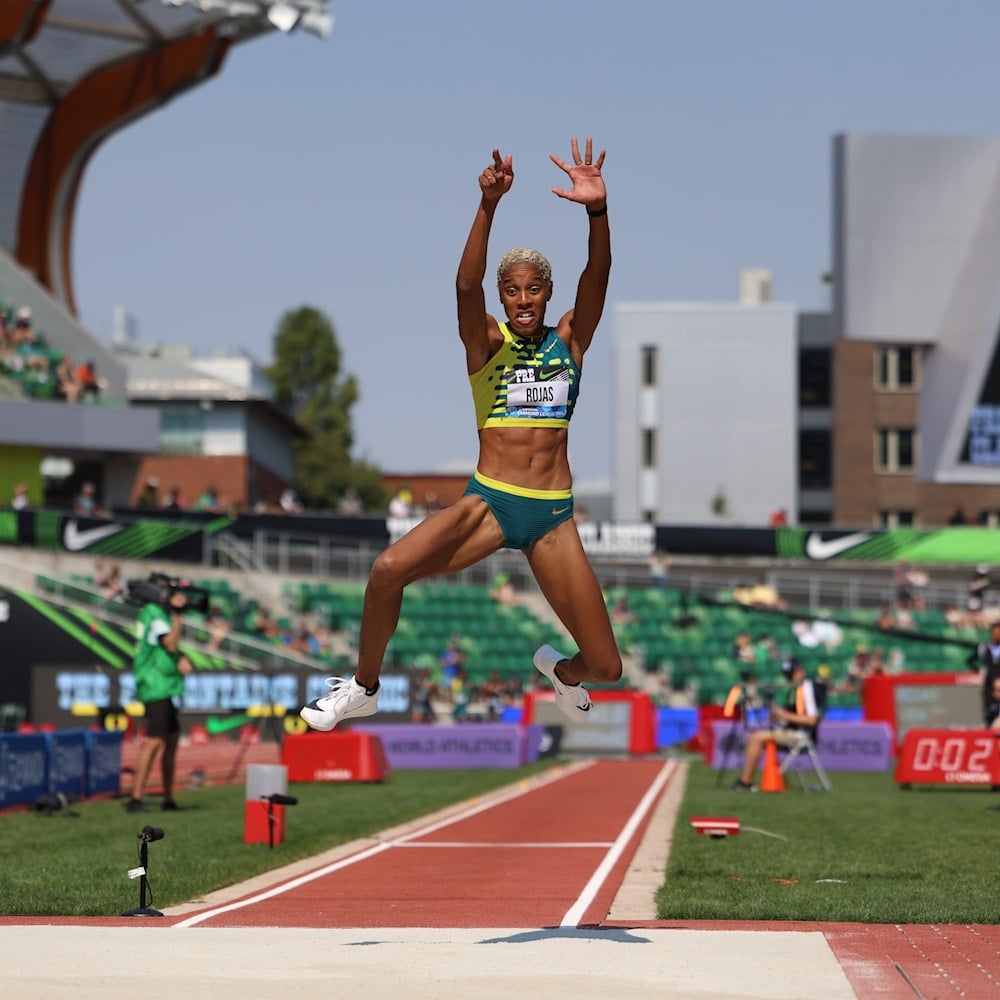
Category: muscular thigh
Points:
column 568, row 583
column 445, row 542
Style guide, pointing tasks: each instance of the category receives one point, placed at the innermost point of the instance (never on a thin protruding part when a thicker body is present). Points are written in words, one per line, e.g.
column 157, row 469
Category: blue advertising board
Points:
column 67, row 763
column 24, row 773
column 104, row 761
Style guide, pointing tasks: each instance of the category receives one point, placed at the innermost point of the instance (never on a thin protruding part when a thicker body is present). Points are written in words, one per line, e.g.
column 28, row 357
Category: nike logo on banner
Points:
column 76, row 539
column 818, row 548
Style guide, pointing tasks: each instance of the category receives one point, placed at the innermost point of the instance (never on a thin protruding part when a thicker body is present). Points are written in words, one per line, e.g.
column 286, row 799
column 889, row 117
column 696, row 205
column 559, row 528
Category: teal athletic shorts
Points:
column 524, row 515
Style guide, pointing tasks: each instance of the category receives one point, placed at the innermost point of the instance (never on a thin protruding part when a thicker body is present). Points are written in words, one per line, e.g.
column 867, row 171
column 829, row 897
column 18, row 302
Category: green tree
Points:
column 309, row 385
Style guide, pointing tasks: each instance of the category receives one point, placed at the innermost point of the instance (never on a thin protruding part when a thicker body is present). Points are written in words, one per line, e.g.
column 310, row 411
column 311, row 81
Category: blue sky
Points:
column 342, row 174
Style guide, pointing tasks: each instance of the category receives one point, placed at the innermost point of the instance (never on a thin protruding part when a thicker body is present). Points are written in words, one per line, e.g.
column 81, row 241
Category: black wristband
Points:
column 598, row 213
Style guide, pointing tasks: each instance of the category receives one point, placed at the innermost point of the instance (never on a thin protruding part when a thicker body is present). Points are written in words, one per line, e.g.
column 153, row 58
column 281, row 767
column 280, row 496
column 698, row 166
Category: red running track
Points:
column 549, row 854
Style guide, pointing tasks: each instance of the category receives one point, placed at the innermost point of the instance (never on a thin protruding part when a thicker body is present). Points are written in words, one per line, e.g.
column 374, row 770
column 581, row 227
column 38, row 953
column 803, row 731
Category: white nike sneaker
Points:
column 572, row 699
column 346, row 699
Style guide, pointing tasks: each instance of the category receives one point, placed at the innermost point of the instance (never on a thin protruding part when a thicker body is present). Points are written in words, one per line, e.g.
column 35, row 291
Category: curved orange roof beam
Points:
column 21, row 20
column 97, row 106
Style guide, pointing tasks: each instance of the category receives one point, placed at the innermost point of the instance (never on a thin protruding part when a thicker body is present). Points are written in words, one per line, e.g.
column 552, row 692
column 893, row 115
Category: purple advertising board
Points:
column 419, row 746
column 843, row 746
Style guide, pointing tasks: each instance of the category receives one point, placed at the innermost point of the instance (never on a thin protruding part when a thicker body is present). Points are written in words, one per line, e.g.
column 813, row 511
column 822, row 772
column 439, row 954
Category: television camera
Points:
column 160, row 588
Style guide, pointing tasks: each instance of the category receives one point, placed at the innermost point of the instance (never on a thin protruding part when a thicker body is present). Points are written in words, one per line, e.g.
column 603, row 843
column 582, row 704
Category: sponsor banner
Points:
column 843, row 746
column 24, row 771
column 421, row 746
column 104, row 761
column 185, row 537
column 221, row 700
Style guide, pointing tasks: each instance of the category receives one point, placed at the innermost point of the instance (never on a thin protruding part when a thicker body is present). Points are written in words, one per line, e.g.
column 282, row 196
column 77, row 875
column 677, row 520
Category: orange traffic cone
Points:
column 772, row 780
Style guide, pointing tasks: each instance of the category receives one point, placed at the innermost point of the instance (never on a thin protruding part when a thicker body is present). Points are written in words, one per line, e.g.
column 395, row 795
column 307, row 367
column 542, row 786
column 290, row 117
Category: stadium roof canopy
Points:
column 73, row 72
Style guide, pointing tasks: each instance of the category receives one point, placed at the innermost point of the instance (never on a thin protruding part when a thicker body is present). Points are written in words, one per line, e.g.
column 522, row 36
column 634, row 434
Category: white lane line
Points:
column 575, row 913
column 492, row 845
column 514, row 793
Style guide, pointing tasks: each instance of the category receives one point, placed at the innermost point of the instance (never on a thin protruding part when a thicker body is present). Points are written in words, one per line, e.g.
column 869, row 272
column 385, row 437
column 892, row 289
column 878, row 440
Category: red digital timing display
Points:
column 949, row 757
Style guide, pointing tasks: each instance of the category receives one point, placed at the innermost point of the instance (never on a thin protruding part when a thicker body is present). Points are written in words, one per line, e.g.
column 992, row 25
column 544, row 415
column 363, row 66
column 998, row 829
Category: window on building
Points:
column 814, row 378
column 895, row 449
column 650, row 358
column 815, row 460
column 891, row 519
column 649, row 448
column 897, row 368
column 182, row 428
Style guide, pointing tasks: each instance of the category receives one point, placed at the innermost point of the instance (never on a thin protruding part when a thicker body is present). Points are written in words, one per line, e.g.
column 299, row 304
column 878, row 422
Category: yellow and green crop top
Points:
column 527, row 383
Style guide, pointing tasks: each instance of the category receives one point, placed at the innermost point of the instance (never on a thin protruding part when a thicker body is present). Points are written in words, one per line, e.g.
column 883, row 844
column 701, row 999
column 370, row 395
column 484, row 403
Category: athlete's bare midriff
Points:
column 532, row 457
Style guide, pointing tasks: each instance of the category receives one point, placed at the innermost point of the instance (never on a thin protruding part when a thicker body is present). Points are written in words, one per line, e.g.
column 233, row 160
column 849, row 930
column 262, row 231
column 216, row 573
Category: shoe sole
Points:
column 322, row 725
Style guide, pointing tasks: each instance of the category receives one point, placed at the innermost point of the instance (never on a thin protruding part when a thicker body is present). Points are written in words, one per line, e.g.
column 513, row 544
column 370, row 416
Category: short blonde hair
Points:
column 524, row 255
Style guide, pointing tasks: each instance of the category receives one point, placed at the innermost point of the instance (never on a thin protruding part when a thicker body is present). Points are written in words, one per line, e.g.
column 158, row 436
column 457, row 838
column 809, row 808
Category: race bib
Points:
column 538, row 392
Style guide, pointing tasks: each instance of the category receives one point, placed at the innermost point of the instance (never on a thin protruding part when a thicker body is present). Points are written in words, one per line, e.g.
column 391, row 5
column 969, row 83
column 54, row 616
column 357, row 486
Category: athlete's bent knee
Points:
column 385, row 572
column 608, row 671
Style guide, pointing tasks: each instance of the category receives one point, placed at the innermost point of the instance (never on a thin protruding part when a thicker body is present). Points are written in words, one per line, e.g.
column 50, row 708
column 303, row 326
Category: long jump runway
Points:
column 516, row 894
column 548, row 854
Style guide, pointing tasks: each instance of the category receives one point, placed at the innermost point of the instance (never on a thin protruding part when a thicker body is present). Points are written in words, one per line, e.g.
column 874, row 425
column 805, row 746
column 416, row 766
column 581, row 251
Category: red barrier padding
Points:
column 334, row 757
column 256, row 823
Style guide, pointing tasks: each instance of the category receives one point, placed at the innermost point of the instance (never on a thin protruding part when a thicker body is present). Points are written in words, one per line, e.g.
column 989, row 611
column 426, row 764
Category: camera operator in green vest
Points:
column 160, row 668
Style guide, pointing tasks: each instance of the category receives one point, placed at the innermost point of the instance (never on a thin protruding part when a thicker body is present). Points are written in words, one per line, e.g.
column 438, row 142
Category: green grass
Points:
column 894, row 856
column 868, row 852
column 74, row 862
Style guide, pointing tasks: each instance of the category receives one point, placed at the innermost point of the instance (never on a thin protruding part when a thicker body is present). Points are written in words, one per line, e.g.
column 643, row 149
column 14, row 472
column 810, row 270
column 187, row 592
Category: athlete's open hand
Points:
column 588, row 184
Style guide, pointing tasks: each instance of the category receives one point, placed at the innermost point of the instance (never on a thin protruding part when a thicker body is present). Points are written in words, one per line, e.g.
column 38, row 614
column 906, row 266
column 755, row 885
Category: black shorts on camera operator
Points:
column 159, row 669
column 790, row 723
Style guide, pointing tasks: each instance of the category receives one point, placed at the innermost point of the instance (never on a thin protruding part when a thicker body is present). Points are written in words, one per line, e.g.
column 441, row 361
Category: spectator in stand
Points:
column 150, row 495
column 975, row 603
column 172, row 499
column 903, row 585
column 264, row 625
column 401, row 505
column 458, row 691
column 621, row 614
column 659, row 569
column 67, row 386
column 761, row 595
column 452, row 658
column 109, row 581
column 744, row 651
column 350, row 504
column 956, row 617
column 218, row 627
column 85, row 502
column 289, row 502
column 85, row 376
column 24, row 328
column 502, row 590
column 958, row 517
column 19, row 499
column 424, row 692
column 209, row 500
